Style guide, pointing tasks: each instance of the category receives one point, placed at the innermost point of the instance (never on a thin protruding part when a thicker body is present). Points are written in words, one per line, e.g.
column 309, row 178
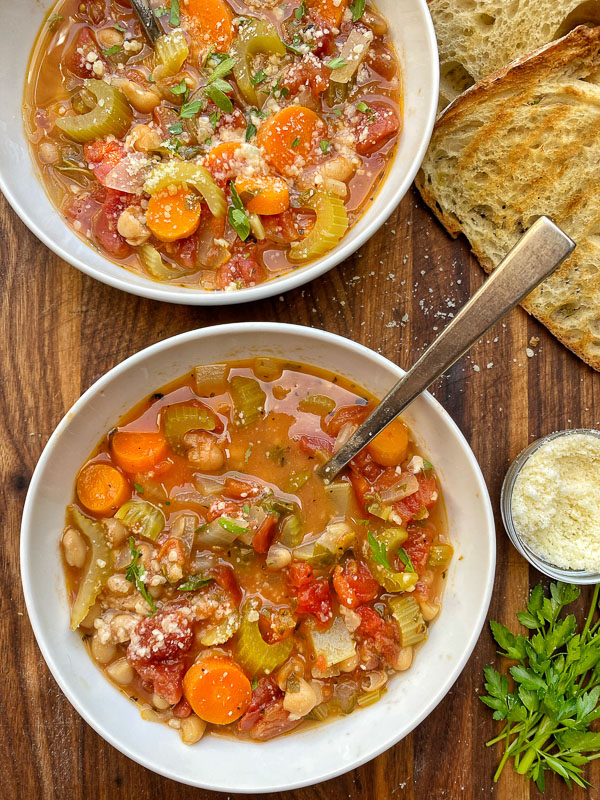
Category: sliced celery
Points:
column 99, row 568
column 255, row 36
column 368, row 698
column 331, row 544
column 392, row 539
column 169, row 173
column 179, row 420
column 275, row 505
column 142, row 518
column 296, row 481
column 334, row 644
column 171, row 51
column 155, row 265
column 211, row 379
column 248, row 400
column 111, row 116
column 317, row 404
column 440, row 555
column 291, row 531
column 267, row 369
column 407, row 613
column 374, row 506
column 319, row 712
column 251, row 651
column 340, row 495
column 330, row 226
column 217, row 533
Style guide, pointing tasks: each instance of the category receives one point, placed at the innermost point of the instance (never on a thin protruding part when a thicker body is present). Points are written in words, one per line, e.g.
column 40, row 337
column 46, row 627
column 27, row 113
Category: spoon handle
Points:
column 147, row 18
column 535, row 256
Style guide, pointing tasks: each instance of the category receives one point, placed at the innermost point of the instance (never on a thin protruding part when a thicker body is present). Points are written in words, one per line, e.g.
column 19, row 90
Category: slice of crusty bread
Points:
column 521, row 143
column 478, row 37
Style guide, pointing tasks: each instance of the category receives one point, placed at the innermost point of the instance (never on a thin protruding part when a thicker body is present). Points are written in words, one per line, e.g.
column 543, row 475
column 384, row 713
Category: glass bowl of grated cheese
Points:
column 549, row 503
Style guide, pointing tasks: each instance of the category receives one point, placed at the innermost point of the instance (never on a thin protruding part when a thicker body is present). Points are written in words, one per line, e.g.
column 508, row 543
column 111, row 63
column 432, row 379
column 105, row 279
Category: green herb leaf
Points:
column 54, row 21
column 112, row 51
column 174, row 16
column 139, row 488
column 231, row 526
column 338, row 112
column 337, row 63
column 120, row 27
column 257, row 79
column 237, row 215
column 189, row 110
column 219, row 98
column 161, row 12
column 296, row 142
column 358, row 9
column 254, row 683
column 378, row 549
column 426, row 464
column 300, row 11
column 134, row 573
column 325, row 146
column 193, row 583
column 222, row 69
column 176, row 128
column 181, row 88
column 250, row 131
column 405, row 559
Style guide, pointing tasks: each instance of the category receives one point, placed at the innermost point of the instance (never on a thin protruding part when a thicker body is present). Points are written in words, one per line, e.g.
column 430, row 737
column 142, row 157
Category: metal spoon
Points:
column 147, row 19
column 535, row 256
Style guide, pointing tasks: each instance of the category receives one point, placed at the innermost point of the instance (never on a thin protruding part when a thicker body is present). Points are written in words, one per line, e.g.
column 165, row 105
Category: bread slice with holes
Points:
column 479, row 37
column 521, row 143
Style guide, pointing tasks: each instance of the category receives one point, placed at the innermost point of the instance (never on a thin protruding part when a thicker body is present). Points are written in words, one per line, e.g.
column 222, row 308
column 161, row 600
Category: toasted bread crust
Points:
column 523, row 142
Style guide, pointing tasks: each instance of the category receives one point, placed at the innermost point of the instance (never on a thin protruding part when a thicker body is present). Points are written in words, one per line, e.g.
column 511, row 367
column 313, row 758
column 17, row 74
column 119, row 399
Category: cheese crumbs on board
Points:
column 555, row 501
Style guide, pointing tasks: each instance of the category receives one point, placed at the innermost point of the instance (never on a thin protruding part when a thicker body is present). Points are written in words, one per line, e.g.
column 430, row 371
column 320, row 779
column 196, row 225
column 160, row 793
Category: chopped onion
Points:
column 344, row 434
column 353, row 52
column 130, row 174
column 407, row 485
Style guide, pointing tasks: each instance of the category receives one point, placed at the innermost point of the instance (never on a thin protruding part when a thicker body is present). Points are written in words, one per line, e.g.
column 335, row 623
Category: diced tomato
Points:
column 425, row 497
column 83, row 208
column 103, row 156
column 366, row 466
column 235, row 121
column 418, row 546
column 354, row 583
column 387, row 479
column 266, row 716
column 383, row 635
column 324, row 38
column 77, row 60
column 381, row 60
column 226, row 579
column 104, row 226
column 276, row 624
column 315, row 598
column 166, row 678
column 264, row 695
column 374, row 127
column 360, row 485
column 184, row 251
column 163, row 118
column 281, row 228
column 309, row 72
column 261, row 541
column 239, row 490
column 299, row 574
column 183, row 709
column 219, row 507
column 354, row 414
column 171, row 545
column 312, row 444
column 242, row 269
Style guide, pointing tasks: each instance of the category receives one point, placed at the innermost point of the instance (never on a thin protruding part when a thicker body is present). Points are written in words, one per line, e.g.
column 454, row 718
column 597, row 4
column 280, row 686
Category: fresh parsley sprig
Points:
column 135, row 572
column 238, row 216
column 379, row 551
column 556, row 690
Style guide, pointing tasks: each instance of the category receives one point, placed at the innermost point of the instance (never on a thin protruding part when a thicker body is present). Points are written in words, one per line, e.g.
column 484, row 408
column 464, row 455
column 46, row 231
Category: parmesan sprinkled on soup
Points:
column 555, row 501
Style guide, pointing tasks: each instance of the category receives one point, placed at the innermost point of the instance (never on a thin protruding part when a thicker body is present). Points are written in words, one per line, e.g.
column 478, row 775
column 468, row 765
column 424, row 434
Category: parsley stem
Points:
column 591, row 614
column 544, row 732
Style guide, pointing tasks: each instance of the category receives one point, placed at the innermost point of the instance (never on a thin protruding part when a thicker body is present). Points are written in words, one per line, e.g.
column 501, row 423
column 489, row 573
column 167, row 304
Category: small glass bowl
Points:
column 551, row 570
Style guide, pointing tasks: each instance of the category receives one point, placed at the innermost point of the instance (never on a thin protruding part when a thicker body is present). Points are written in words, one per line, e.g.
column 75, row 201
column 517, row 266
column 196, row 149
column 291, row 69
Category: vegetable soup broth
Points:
column 293, row 156
column 259, row 569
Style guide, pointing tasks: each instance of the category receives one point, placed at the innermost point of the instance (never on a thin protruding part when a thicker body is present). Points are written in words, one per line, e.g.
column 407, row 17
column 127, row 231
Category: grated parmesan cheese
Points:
column 555, row 501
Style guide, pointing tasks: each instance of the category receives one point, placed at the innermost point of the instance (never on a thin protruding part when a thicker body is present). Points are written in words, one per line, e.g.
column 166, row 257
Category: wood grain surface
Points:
column 61, row 330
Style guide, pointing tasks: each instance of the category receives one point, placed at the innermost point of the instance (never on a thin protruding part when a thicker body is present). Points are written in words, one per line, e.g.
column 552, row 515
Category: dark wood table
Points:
column 62, row 330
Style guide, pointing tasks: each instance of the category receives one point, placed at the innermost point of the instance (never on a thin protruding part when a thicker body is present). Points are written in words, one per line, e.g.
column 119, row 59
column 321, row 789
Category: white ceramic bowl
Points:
column 301, row 758
column 415, row 41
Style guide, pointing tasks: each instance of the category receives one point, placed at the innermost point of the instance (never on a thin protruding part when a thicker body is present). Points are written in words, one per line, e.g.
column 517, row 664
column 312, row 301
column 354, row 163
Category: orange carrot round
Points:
column 270, row 194
column 217, row 690
column 102, row 489
column 173, row 215
column 137, row 452
column 330, row 11
column 287, row 135
column 208, row 22
column 218, row 161
column 389, row 447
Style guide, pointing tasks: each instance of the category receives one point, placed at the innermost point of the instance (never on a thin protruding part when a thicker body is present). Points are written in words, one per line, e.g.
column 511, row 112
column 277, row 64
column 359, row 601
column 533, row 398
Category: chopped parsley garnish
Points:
column 194, row 582
column 231, row 526
column 139, row 488
column 161, row 12
column 119, row 27
column 214, row 118
column 300, row 11
column 338, row 112
column 54, row 21
column 325, row 146
column 296, row 142
column 176, row 128
column 112, row 51
column 250, row 131
column 257, row 79
column 405, row 559
column 173, row 144
column 254, row 683
column 365, row 109
column 150, row 78
column 246, row 509
column 379, row 551
column 219, row 98
column 189, row 110
column 294, row 46
column 237, row 215
column 174, row 17
column 427, row 464
column 357, row 7
column 247, row 455
column 337, row 63
column 134, row 573
column 222, row 69
column 181, row 88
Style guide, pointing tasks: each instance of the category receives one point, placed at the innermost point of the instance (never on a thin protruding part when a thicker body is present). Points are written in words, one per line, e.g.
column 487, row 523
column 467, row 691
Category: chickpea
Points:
column 109, row 37
column 300, row 702
column 48, row 153
column 160, row 703
column 122, row 626
column 132, row 226
column 118, row 584
column 338, row 168
column 191, row 729
column 103, row 652
column 429, row 610
column 204, row 451
column 143, row 100
column 144, row 138
column 121, row 672
column 74, row 548
column 404, row 659
column 146, row 554
column 116, row 531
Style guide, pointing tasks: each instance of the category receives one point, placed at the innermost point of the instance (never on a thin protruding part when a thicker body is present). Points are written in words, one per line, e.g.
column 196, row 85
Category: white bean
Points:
column 191, row 729
column 121, row 672
column 143, row 100
column 74, row 548
column 103, row 652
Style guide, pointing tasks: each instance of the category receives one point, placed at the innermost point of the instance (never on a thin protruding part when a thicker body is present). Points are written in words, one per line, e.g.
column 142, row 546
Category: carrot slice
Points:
column 217, row 690
column 102, row 489
column 389, row 447
column 209, row 22
column 330, row 11
column 173, row 215
column 218, row 161
column 270, row 194
column 138, row 452
column 287, row 135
